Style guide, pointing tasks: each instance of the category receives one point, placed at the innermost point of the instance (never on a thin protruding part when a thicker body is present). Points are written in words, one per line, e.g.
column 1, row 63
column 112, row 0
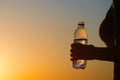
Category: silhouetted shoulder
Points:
column 106, row 30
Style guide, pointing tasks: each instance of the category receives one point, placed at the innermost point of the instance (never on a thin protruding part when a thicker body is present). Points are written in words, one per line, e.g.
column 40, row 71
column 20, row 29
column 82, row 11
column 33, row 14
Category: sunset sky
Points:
column 35, row 39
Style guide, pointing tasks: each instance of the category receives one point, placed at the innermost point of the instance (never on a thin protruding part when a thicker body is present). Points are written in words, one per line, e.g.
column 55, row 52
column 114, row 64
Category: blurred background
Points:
column 35, row 39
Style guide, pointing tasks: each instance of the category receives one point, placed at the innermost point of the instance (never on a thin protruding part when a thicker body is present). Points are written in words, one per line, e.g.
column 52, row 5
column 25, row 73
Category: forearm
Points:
column 106, row 54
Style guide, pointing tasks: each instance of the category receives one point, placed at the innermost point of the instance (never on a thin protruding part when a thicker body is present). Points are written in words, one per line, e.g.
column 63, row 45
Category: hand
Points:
column 80, row 51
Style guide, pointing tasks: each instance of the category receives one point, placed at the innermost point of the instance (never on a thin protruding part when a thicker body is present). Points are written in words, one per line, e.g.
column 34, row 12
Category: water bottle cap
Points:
column 81, row 23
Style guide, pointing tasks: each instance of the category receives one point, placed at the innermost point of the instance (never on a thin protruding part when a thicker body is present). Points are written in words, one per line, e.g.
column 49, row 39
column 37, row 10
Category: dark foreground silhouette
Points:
column 110, row 34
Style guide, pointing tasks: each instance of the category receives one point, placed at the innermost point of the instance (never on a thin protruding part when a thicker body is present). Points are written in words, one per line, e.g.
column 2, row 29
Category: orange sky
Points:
column 35, row 38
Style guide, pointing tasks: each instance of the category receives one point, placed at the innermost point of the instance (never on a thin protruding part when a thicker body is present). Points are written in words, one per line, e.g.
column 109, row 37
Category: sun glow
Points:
column 35, row 38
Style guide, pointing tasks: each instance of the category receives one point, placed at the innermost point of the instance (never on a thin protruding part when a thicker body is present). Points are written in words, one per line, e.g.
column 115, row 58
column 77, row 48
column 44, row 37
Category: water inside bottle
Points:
column 79, row 64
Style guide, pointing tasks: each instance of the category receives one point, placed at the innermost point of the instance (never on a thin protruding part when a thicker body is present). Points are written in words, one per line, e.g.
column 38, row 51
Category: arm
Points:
column 90, row 52
column 106, row 54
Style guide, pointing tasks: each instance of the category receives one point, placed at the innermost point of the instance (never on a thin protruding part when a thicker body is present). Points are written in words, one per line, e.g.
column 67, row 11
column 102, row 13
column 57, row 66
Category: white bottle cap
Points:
column 81, row 23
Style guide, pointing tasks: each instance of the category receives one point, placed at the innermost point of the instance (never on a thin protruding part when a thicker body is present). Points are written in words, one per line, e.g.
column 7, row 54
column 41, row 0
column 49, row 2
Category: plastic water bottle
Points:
column 80, row 36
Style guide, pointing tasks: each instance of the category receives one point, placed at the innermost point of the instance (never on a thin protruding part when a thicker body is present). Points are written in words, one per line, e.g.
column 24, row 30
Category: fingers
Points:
column 75, row 52
column 75, row 49
column 77, row 45
column 73, row 59
column 79, row 51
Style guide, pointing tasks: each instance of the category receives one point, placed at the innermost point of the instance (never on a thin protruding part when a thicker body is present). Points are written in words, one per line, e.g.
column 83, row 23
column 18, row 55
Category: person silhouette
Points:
column 110, row 34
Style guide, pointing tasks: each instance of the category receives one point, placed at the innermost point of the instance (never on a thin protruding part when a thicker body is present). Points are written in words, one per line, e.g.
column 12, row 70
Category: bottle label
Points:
column 81, row 41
